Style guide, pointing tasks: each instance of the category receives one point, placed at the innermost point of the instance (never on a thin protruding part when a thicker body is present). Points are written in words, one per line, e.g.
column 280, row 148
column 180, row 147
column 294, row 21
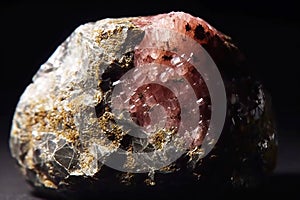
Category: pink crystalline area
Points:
column 175, row 68
column 181, row 22
column 150, row 95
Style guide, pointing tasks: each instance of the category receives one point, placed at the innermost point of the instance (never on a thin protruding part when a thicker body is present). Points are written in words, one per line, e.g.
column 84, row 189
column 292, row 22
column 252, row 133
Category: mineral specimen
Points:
column 131, row 85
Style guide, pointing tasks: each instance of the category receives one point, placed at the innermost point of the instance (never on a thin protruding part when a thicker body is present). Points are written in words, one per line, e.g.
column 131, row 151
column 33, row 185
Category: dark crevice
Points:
column 199, row 32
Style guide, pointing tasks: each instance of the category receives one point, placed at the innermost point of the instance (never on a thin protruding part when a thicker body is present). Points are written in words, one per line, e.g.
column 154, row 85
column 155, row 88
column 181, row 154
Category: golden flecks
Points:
column 104, row 120
column 55, row 119
column 38, row 137
column 30, row 120
column 49, row 184
column 99, row 81
column 150, row 182
column 158, row 139
column 86, row 163
column 130, row 161
column 169, row 168
column 98, row 36
column 102, row 34
column 50, row 171
column 195, row 153
column 106, row 123
column 126, row 60
column 127, row 178
column 62, row 122
column 99, row 96
column 66, row 120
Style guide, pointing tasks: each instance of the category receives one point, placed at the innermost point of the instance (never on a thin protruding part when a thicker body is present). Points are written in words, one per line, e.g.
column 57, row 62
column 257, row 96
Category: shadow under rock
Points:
column 278, row 185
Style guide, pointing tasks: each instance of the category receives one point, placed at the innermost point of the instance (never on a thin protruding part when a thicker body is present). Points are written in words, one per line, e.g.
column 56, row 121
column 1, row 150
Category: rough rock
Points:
column 64, row 127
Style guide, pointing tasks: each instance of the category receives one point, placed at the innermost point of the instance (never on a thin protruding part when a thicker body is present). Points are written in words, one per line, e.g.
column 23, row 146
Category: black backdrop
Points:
column 267, row 33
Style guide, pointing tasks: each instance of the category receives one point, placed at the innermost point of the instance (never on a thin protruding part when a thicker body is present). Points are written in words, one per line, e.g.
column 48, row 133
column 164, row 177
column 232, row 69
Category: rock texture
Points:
column 66, row 113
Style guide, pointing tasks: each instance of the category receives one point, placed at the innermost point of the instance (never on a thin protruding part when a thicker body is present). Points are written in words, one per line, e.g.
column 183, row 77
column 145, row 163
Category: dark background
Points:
column 268, row 34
